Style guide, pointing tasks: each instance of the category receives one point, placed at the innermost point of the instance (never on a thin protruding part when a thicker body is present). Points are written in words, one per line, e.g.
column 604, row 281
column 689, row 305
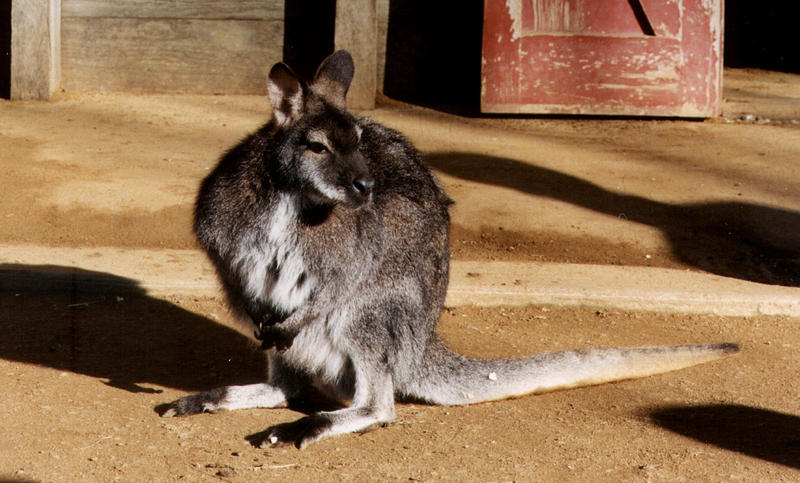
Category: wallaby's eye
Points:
column 317, row 148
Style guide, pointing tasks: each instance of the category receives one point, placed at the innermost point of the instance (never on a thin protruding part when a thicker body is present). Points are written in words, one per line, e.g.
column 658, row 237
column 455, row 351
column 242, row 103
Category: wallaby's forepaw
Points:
column 204, row 402
column 300, row 433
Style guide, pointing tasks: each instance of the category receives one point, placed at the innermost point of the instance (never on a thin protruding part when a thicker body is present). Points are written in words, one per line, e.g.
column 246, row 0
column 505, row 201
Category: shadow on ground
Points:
column 106, row 326
column 762, row 433
column 739, row 240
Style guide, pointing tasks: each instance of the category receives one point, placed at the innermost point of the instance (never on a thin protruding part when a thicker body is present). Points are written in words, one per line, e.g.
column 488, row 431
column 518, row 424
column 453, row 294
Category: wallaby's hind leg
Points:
column 318, row 426
column 373, row 405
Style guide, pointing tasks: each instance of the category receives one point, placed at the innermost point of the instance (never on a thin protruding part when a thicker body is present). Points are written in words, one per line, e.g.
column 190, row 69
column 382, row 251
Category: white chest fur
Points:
column 270, row 263
column 315, row 350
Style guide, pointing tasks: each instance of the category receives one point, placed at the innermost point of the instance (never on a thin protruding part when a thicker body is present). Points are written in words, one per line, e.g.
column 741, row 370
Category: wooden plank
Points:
column 169, row 55
column 382, row 14
column 179, row 9
column 357, row 31
column 35, row 48
column 638, row 76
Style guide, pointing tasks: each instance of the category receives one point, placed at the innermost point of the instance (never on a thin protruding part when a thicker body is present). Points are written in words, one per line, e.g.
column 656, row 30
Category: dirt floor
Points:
column 84, row 365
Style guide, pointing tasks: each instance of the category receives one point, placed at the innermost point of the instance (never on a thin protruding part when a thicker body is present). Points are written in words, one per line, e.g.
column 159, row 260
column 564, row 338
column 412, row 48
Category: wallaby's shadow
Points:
column 106, row 326
column 762, row 433
column 739, row 240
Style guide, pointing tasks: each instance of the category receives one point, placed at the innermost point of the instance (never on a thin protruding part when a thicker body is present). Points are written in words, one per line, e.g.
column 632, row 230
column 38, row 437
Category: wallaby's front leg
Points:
column 373, row 405
column 272, row 394
column 262, row 395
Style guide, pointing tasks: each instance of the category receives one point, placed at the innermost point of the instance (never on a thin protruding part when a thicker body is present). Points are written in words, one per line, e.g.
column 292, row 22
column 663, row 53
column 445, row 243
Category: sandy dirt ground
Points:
column 85, row 364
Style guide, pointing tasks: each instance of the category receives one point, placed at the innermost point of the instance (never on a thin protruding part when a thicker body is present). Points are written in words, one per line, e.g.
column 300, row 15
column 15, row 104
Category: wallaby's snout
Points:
column 361, row 189
column 360, row 182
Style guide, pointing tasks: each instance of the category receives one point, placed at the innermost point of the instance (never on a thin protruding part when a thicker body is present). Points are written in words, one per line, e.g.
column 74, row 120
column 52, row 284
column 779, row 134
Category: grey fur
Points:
column 330, row 237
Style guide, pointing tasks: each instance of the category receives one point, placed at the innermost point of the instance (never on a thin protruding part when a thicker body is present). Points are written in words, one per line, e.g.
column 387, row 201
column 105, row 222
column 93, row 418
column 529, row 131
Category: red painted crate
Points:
column 608, row 57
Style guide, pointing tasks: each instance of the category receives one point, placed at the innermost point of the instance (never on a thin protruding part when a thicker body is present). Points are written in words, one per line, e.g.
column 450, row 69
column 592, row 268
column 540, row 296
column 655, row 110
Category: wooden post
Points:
column 35, row 48
column 357, row 31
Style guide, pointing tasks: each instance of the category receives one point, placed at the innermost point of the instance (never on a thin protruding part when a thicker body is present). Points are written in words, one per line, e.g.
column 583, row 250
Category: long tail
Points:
column 448, row 378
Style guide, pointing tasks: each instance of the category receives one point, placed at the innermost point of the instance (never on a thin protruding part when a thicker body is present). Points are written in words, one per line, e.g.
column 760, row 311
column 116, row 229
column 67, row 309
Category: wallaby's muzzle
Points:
column 360, row 191
column 358, row 182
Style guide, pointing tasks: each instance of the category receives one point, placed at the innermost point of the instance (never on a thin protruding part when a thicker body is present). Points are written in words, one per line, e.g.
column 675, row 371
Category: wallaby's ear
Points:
column 333, row 77
column 285, row 93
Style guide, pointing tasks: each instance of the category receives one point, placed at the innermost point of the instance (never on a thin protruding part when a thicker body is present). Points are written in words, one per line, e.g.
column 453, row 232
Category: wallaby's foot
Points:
column 316, row 427
column 300, row 433
column 226, row 399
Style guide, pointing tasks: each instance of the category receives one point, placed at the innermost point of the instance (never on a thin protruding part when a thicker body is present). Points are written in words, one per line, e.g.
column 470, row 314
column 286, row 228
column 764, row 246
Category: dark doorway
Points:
column 433, row 54
column 760, row 34
column 5, row 49
column 308, row 34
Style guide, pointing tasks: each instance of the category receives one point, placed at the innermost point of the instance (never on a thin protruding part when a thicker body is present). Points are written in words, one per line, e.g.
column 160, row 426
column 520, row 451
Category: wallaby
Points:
column 330, row 237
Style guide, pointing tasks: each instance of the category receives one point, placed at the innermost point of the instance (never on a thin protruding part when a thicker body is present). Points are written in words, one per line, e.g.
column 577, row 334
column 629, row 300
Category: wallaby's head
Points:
column 319, row 140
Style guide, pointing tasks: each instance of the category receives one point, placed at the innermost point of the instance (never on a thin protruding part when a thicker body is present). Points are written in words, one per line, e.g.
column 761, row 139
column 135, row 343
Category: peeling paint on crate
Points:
column 599, row 57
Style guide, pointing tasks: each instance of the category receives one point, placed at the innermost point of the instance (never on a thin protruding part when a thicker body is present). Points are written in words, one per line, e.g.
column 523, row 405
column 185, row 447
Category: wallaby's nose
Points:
column 363, row 186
